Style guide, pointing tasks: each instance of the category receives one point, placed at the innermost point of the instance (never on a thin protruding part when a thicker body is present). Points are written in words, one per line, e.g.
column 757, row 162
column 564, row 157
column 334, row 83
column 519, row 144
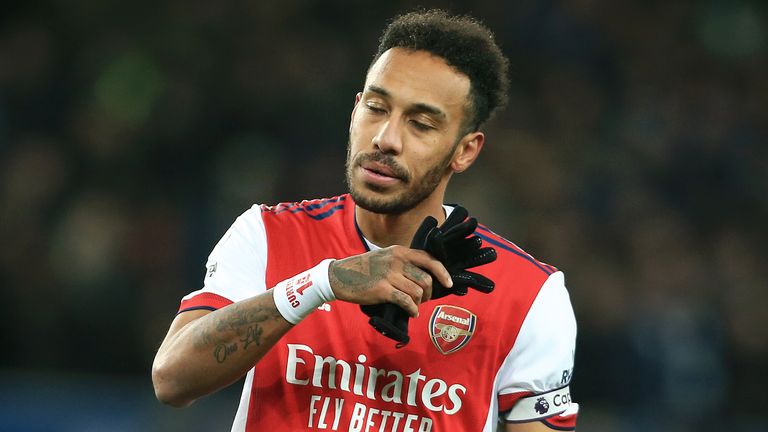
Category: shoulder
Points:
column 525, row 287
column 512, row 259
column 315, row 209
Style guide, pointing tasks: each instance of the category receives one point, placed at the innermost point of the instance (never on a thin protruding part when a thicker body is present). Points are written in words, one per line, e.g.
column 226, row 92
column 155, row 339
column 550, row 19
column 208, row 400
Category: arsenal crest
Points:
column 451, row 328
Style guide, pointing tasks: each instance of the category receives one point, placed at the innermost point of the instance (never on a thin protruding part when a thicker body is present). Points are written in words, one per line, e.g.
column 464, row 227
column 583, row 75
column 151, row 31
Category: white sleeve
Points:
column 236, row 267
column 541, row 361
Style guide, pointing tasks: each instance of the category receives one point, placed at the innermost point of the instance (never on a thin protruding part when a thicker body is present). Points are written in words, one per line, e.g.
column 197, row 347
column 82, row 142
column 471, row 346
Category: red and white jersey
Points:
column 471, row 361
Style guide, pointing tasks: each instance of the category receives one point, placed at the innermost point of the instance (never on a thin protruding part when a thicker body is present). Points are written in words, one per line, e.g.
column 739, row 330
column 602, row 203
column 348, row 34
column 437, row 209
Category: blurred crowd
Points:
column 632, row 155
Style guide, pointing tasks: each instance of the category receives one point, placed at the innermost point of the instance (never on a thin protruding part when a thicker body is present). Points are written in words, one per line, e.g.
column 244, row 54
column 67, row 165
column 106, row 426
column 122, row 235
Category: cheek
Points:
column 354, row 141
column 427, row 161
column 356, row 131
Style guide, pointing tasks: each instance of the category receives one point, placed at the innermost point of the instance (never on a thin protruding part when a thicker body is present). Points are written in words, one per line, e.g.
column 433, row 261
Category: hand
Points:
column 396, row 274
column 455, row 246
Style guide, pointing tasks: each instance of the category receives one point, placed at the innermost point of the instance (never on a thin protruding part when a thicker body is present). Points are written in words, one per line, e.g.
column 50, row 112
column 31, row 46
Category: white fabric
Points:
column 540, row 361
column 542, row 357
column 540, row 406
column 298, row 296
column 241, row 417
column 238, row 263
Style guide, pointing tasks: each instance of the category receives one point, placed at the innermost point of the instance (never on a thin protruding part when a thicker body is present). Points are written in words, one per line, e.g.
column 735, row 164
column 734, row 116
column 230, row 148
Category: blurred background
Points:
column 632, row 155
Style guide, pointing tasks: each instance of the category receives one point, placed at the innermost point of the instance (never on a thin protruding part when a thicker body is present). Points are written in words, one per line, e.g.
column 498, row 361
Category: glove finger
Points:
column 477, row 258
column 460, row 250
column 390, row 320
column 373, row 310
column 419, row 240
column 456, row 217
column 435, row 246
column 391, row 330
column 439, row 291
column 460, row 287
column 474, row 280
column 471, row 243
column 460, row 231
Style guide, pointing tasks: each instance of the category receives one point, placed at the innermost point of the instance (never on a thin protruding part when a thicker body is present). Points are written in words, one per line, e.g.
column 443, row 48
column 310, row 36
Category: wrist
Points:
column 298, row 296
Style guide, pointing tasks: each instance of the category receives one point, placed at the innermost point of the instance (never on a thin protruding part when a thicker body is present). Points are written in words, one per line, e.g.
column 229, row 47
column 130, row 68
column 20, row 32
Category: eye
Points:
column 375, row 109
column 423, row 127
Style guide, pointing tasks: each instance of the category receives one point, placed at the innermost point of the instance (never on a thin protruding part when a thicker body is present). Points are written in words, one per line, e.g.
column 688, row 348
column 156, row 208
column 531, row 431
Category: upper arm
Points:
column 181, row 321
column 235, row 269
column 534, row 380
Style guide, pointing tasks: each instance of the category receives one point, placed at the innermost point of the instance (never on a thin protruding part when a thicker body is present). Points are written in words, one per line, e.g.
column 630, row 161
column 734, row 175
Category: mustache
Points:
column 386, row 160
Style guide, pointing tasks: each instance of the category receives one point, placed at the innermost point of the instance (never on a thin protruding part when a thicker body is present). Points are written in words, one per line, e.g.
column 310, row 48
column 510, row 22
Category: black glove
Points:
column 457, row 249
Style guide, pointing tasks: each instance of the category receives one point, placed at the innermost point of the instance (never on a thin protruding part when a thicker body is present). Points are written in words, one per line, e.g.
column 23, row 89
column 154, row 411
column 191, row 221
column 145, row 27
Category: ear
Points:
column 358, row 96
column 467, row 151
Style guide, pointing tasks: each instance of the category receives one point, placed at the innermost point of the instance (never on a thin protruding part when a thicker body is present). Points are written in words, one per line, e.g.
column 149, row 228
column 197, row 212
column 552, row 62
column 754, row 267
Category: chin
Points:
column 375, row 202
column 393, row 201
column 385, row 203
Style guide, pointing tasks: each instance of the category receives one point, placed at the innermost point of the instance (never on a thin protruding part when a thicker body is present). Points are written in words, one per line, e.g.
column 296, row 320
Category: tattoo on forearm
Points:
column 237, row 320
column 252, row 335
column 222, row 351
column 238, row 317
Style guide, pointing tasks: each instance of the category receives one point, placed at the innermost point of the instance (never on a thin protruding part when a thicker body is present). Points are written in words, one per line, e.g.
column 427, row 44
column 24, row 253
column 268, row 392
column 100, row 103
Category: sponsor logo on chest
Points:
column 451, row 328
column 388, row 400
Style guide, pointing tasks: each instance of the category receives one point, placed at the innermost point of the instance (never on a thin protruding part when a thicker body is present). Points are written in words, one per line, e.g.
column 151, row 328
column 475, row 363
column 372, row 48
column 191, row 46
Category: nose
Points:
column 389, row 137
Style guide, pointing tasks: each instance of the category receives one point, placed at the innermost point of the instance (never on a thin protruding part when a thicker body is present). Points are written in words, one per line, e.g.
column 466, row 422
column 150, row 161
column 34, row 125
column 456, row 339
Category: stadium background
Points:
column 632, row 156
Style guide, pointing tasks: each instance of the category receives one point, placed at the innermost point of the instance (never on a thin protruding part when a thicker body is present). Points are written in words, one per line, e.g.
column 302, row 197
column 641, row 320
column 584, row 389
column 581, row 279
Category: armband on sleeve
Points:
column 539, row 406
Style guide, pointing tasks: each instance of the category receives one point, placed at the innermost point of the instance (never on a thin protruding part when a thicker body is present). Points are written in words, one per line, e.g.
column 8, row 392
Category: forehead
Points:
column 413, row 77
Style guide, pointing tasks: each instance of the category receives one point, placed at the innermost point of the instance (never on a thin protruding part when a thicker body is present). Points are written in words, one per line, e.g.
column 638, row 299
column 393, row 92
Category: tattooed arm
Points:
column 205, row 351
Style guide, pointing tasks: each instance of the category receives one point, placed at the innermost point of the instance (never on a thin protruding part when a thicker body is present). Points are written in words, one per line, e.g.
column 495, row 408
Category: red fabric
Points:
column 301, row 235
column 205, row 300
column 560, row 422
column 507, row 401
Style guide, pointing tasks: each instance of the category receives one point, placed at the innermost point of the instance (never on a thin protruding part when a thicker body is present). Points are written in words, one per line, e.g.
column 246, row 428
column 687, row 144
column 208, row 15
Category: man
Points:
column 283, row 287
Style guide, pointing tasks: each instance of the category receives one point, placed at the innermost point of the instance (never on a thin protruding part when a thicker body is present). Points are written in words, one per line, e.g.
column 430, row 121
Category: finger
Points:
column 456, row 217
column 460, row 231
column 460, row 286
column 436, row 246
column 409, row 287
column 464, row 248
column 422, row 233
column 434, row 267
column 404, row 301
column 419, row 277
column 483, row 256
column 475, row 281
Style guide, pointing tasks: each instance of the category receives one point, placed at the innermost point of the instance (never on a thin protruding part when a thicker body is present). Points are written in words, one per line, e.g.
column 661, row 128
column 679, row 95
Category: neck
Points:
column 385, row 230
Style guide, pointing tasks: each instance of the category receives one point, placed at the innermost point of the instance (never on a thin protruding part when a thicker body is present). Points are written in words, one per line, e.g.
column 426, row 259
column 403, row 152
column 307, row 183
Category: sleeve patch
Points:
column 539, row 406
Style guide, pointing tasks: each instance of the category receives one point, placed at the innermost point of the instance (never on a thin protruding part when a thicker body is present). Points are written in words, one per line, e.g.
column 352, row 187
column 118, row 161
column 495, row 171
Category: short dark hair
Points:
column 465, row 44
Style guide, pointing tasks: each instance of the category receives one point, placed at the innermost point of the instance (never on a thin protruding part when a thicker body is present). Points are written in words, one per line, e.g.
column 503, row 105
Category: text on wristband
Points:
column 292, row 294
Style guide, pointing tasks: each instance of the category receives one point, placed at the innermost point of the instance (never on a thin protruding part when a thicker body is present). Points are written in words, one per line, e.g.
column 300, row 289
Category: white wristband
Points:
column 299, row 295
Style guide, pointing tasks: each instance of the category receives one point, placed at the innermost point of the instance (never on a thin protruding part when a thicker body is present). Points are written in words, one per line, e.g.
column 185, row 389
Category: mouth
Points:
column 378, row 175
column 379, row 170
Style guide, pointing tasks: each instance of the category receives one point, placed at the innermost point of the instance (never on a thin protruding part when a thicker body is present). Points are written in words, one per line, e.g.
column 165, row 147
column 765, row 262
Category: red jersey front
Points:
column 471, row 359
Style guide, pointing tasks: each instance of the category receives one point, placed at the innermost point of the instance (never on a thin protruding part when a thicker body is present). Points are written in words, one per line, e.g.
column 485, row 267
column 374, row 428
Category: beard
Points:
column 416, row 190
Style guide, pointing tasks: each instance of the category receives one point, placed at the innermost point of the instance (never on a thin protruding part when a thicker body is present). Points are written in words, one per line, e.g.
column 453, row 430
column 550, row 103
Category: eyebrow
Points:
column 417, row 107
